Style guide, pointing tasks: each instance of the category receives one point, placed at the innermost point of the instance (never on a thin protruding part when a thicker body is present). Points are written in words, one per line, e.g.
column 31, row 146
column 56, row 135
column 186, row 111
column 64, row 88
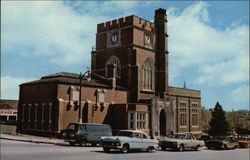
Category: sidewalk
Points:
column 33, row 139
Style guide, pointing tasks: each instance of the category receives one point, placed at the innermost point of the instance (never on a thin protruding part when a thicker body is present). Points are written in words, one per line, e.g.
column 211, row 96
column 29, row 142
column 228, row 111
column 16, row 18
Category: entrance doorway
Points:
column 162, row 123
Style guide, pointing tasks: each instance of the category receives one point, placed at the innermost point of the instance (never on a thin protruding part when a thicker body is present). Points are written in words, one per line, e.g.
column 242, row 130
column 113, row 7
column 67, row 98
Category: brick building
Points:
column 127, row 86
column 8, row 111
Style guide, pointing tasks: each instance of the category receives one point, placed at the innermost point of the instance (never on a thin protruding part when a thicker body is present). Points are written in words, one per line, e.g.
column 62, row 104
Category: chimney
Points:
column 111, row 75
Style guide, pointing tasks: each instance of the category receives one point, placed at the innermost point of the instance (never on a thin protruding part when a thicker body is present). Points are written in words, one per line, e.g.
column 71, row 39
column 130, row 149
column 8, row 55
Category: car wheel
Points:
column 224, row 146
column 106, row 149
column 125, row 148
column 197, row 148
column 93, row 144
column 150, row 149
column 163, row 148
column 181, row 147
column 71, row 143
column 82, row 143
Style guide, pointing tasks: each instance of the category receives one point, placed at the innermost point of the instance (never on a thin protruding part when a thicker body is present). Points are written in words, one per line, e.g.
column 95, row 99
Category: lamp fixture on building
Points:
column 81, row 77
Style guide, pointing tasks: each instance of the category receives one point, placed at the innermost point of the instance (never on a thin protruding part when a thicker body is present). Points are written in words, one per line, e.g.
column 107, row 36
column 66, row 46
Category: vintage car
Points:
column 222, row 142
column 127, row 140
column 82, row 133
column 244, row 142
column 180, row 142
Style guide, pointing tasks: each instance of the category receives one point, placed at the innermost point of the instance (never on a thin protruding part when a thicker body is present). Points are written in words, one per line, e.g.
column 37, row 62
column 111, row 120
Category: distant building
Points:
column 8, row 111
column 127, row 88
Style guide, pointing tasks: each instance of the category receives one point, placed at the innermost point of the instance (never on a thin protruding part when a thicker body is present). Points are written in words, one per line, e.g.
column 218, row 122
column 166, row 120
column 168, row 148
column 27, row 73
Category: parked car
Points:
column 205, row 138
column 244, row 142
column 127, row 140
column 82, row 133
column 180, row 142
column 222, row 142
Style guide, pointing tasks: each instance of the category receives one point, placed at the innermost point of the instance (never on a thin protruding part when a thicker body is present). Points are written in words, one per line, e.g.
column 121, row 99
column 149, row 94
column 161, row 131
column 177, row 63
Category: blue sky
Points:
column 208, row 43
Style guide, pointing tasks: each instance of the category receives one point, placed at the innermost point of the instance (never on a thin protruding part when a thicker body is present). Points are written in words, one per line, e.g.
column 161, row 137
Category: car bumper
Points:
column 111, row 145
column 168, row 145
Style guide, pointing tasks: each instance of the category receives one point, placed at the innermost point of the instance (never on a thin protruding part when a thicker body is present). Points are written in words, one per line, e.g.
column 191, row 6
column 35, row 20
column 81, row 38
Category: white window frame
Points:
column 140, row 120
column 183, row 111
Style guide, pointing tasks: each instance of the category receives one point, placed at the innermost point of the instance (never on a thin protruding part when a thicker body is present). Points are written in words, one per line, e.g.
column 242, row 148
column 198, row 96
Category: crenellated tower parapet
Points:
column 126, row 22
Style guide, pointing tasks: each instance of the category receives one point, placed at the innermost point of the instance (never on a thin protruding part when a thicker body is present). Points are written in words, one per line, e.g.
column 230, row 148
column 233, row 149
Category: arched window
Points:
column 116, row 61
column 148, row 74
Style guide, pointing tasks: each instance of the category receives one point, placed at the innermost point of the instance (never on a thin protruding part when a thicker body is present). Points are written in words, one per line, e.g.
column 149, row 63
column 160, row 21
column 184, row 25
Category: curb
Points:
column 32, row 141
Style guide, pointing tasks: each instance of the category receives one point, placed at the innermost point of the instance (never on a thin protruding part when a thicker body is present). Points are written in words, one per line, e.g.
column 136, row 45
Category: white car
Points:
column 127, row 140
column 180, row 142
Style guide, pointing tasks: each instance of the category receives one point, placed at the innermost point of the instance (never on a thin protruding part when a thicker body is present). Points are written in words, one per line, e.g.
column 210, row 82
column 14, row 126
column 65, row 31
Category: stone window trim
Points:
column 148, row 75
column 195, row 126
column 73, row 95
column 183, row 126
column 114, row 60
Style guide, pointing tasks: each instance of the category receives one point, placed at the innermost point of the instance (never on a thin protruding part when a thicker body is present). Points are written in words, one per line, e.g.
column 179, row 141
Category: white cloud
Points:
column 215, row 54
column 240, row 94
column 54, row 29
column 10, row 86
column 47, row 28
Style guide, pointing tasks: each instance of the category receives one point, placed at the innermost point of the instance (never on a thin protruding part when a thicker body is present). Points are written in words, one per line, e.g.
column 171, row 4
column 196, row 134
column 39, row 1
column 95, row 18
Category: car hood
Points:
column 112, row 138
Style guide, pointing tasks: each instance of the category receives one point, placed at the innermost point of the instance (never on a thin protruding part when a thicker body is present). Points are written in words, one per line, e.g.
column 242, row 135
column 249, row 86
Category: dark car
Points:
column 82, row 133
column 222, row 142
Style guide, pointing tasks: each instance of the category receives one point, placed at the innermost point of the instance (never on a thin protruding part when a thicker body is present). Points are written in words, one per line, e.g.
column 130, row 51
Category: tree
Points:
column 239, row 121
column 218, row 124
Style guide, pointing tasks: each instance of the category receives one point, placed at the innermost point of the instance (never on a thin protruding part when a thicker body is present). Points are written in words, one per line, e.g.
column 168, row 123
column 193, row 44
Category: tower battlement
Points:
column 124, row 22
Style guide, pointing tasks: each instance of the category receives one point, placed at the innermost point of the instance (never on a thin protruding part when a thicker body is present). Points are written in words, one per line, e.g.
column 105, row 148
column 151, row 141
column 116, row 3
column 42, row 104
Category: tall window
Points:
column 141, row 120
column 194, row 108
column 116, row 61
column 148, row 74
column 183, row 114
column 137, row 120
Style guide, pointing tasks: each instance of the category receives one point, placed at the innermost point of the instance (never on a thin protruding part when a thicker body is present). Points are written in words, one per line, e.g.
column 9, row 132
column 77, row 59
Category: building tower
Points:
column 161, row 52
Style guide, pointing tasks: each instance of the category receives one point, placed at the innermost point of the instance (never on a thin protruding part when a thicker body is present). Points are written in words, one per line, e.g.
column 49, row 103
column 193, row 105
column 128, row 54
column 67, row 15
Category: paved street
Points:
column 15, row 150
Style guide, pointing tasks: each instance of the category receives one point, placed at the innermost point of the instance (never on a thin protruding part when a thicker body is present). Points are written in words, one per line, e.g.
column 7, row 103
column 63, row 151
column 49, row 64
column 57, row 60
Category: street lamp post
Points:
column 80, row 95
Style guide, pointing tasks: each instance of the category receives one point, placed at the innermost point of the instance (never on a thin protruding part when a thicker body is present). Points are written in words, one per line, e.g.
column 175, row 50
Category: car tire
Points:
column 150, row 149
column 163, row 148
column 197, row 148
column 93, row 144
column 224, row 146
column 82, row 143
column 125, row 148
column 106, row 149
column 72, row 143
column 181, row 148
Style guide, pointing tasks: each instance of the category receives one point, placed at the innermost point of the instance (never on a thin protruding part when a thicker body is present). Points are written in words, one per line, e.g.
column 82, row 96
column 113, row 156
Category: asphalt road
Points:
column 15, row 150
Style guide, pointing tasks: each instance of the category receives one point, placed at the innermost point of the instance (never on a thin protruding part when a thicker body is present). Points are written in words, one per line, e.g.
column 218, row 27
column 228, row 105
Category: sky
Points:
column 208, row 43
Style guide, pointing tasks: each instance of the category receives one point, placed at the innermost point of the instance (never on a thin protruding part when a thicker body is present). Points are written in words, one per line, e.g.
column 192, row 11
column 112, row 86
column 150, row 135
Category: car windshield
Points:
column 177, row 136
column 125, row 133
column 72, row 126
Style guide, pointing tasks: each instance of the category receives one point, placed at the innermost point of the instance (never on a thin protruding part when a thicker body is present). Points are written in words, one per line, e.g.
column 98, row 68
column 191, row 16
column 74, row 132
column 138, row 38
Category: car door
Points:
column 138, row 141
column 189, row 141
